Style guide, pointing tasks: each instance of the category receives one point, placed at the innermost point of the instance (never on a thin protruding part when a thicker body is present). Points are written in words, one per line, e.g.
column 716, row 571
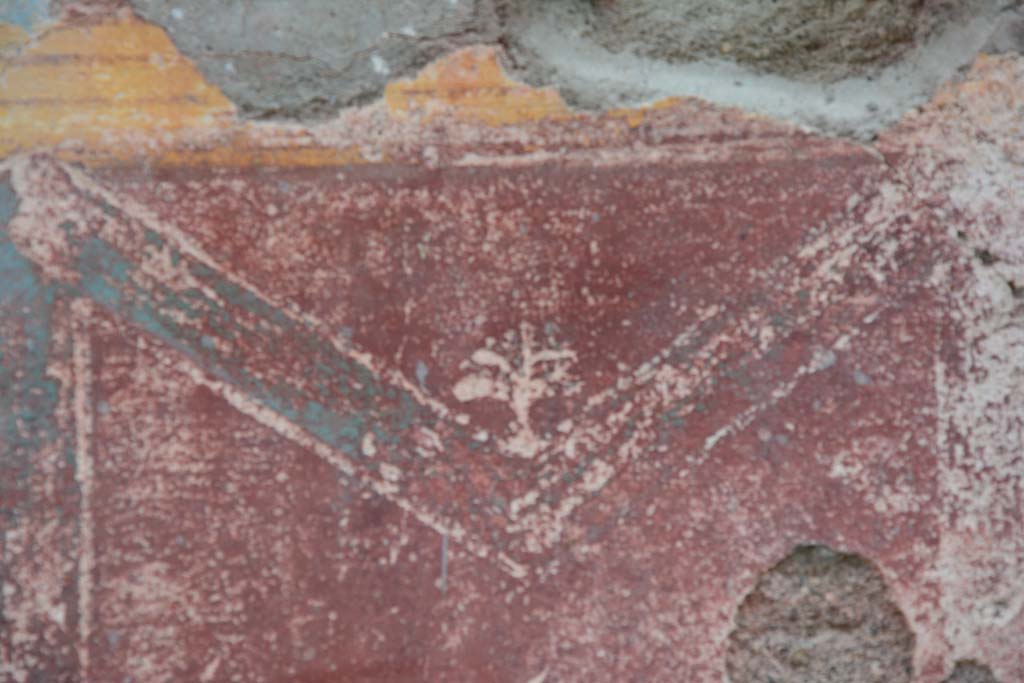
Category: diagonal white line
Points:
column 598, row 427
column 241, row 401
column 296, row 434
column 188, row 246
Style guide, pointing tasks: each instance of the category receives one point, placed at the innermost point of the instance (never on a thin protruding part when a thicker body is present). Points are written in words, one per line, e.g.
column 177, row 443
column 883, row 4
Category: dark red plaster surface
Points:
column 486, row 412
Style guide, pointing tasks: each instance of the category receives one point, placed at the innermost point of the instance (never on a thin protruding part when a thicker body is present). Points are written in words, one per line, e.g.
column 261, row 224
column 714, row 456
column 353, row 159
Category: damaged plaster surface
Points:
column 846, row 66
column 971, row 672
column 820, row 616
column 850, row 68
column 802, row 38
column 308, row 61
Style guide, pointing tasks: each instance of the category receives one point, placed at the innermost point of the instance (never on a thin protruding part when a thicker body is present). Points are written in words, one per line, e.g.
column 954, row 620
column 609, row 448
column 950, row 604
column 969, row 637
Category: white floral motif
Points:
column 519, row 370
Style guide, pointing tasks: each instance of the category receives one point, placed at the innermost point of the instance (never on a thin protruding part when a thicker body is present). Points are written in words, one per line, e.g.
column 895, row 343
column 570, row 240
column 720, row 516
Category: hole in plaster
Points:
column 820, row 615
column 970, row 671
column 986, row 257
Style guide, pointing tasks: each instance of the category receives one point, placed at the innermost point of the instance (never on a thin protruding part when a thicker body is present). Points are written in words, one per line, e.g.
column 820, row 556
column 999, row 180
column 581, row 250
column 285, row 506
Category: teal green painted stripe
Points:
column 28, row 396
column 108, row 278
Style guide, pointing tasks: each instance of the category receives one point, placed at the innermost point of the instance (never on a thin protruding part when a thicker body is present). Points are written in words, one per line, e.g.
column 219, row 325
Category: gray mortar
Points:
column 560, row 42
column 971, row 672
column 848, row 67
column 308, row 60
column 814, row 39
column 820, row 616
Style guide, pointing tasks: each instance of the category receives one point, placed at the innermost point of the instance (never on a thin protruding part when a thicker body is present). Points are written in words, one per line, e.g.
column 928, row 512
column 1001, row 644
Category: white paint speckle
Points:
column 380, row 65
column 539, row 678
column 369, row 445
column 390, row 473
column 210, row 671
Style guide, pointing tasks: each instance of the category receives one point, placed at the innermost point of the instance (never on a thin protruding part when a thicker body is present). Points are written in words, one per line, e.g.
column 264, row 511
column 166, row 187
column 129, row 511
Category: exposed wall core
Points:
column 842, row 66
column 814, row 39
column 820, row 616
column 308, row 60
column 845, row 66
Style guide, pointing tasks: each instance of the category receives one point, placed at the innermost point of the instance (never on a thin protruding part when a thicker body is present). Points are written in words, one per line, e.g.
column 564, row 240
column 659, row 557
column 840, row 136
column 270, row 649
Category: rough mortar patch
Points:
column 799, row 38
column 851, row 78
column 845, row 66
column 308, row 60
column 820, row 616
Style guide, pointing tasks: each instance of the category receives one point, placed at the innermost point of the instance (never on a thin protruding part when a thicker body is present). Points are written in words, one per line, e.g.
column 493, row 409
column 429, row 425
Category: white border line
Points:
column 81, row 350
